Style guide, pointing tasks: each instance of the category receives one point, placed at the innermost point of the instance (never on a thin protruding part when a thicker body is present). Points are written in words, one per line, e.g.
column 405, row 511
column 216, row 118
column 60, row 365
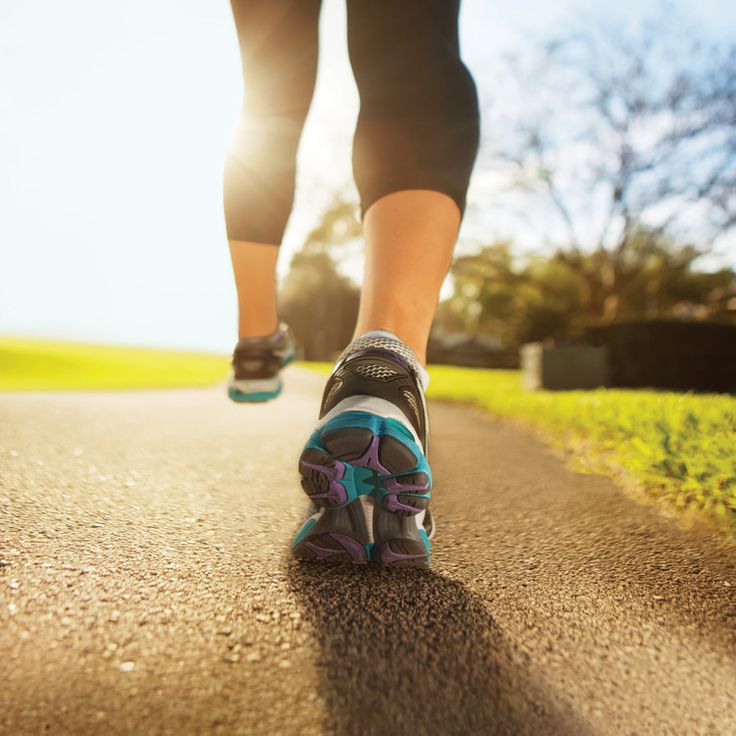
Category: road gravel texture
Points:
column 146, row 585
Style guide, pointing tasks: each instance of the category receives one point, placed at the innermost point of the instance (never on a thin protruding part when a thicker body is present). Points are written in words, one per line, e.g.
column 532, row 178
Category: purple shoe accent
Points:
column 392, row 484
column 354, row 548
column 388, row 556
column 335, row 491
column 351, row 546
column 323, row 553
column 392, row 503
column 370, row 459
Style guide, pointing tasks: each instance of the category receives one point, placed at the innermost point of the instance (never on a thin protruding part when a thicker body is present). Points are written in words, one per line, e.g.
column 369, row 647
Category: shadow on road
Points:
column 413, row 652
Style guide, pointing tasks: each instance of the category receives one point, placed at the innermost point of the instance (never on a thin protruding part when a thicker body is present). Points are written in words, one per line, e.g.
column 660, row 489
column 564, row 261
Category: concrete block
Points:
column 563, row 367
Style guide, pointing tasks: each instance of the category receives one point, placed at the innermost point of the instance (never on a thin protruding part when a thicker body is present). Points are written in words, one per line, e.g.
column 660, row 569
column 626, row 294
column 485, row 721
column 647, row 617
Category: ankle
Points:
column 257, row 325
column 417, row 345
column 388, row 334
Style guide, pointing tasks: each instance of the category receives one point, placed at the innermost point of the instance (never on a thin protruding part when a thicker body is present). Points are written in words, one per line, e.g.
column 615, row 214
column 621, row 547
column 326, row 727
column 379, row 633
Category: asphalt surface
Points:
column 146, row 585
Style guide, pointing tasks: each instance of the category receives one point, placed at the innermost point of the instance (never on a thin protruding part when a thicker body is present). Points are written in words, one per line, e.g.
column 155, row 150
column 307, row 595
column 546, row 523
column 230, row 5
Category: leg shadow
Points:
column 410, row 652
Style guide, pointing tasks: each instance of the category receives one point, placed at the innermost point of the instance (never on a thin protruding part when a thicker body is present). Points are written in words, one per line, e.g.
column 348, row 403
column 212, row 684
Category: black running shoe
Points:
column 364, row 467
column 257, row 363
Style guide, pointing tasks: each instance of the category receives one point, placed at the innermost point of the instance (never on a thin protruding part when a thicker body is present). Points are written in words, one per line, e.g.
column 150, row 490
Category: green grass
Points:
column 678, row 448
column 40, row 365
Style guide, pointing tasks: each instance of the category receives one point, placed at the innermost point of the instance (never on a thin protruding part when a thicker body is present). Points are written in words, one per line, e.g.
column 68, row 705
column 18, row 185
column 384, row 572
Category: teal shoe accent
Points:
column 243, row 398
column 303, row 531
column 378, row 425
column 363, row 481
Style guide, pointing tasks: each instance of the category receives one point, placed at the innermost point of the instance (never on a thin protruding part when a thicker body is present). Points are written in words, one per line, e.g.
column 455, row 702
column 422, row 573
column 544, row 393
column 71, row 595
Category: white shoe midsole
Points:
column 255, row 385
column 373, row 405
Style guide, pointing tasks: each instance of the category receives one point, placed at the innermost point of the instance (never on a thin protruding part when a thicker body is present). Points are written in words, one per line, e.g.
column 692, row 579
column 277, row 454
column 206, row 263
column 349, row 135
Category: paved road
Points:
column 146, row 586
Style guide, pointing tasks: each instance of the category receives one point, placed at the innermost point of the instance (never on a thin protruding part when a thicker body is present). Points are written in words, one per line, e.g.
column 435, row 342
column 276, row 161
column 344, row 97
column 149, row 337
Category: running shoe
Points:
column 364, row 468
column 257, row 363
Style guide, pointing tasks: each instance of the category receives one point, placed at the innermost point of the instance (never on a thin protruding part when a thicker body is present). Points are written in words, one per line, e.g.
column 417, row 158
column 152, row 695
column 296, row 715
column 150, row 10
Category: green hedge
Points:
column 679, row 356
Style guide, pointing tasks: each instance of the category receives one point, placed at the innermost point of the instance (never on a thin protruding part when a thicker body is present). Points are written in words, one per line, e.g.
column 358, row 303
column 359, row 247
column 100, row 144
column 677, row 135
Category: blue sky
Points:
column 114, row 118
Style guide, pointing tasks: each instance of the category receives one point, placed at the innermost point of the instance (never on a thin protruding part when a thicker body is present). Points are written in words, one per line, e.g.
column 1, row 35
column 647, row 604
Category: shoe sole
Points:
column 252, row 397
column 399, row 542
column 362, row 465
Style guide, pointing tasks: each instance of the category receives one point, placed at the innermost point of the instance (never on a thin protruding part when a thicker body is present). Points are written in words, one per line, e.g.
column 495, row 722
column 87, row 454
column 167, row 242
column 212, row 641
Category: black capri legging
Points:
column 418, row 121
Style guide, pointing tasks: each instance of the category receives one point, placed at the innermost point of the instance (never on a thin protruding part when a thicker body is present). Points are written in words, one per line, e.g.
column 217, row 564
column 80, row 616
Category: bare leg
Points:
column 414, row 146
column 254, row 267
column 410, row 237
column 278, row 44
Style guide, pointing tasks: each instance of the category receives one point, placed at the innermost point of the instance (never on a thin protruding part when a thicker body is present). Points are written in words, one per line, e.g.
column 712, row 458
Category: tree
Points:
column 522, row 299
column 319, row 303
column 628, row 143
column 337, row 230
column 515, row 300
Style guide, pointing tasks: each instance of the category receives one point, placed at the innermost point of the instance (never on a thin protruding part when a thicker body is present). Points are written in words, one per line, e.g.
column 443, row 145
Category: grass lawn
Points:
column 38, row 365
column 676, row 448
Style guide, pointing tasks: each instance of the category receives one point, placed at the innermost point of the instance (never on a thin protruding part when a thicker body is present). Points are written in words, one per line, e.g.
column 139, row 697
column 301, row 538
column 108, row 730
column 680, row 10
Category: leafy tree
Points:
column 538, row 297
column 320, row 303
column 337, row 230
column 628, row 141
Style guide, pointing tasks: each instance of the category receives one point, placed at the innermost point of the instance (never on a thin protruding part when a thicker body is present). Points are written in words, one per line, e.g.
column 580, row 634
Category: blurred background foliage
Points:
column 319, row 303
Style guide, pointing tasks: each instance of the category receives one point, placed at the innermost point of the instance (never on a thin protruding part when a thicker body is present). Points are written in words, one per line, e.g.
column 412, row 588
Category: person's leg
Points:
column 415, row 144
column 365, row 465
column 278, row 46
column 254, row 267
column 410, row 236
